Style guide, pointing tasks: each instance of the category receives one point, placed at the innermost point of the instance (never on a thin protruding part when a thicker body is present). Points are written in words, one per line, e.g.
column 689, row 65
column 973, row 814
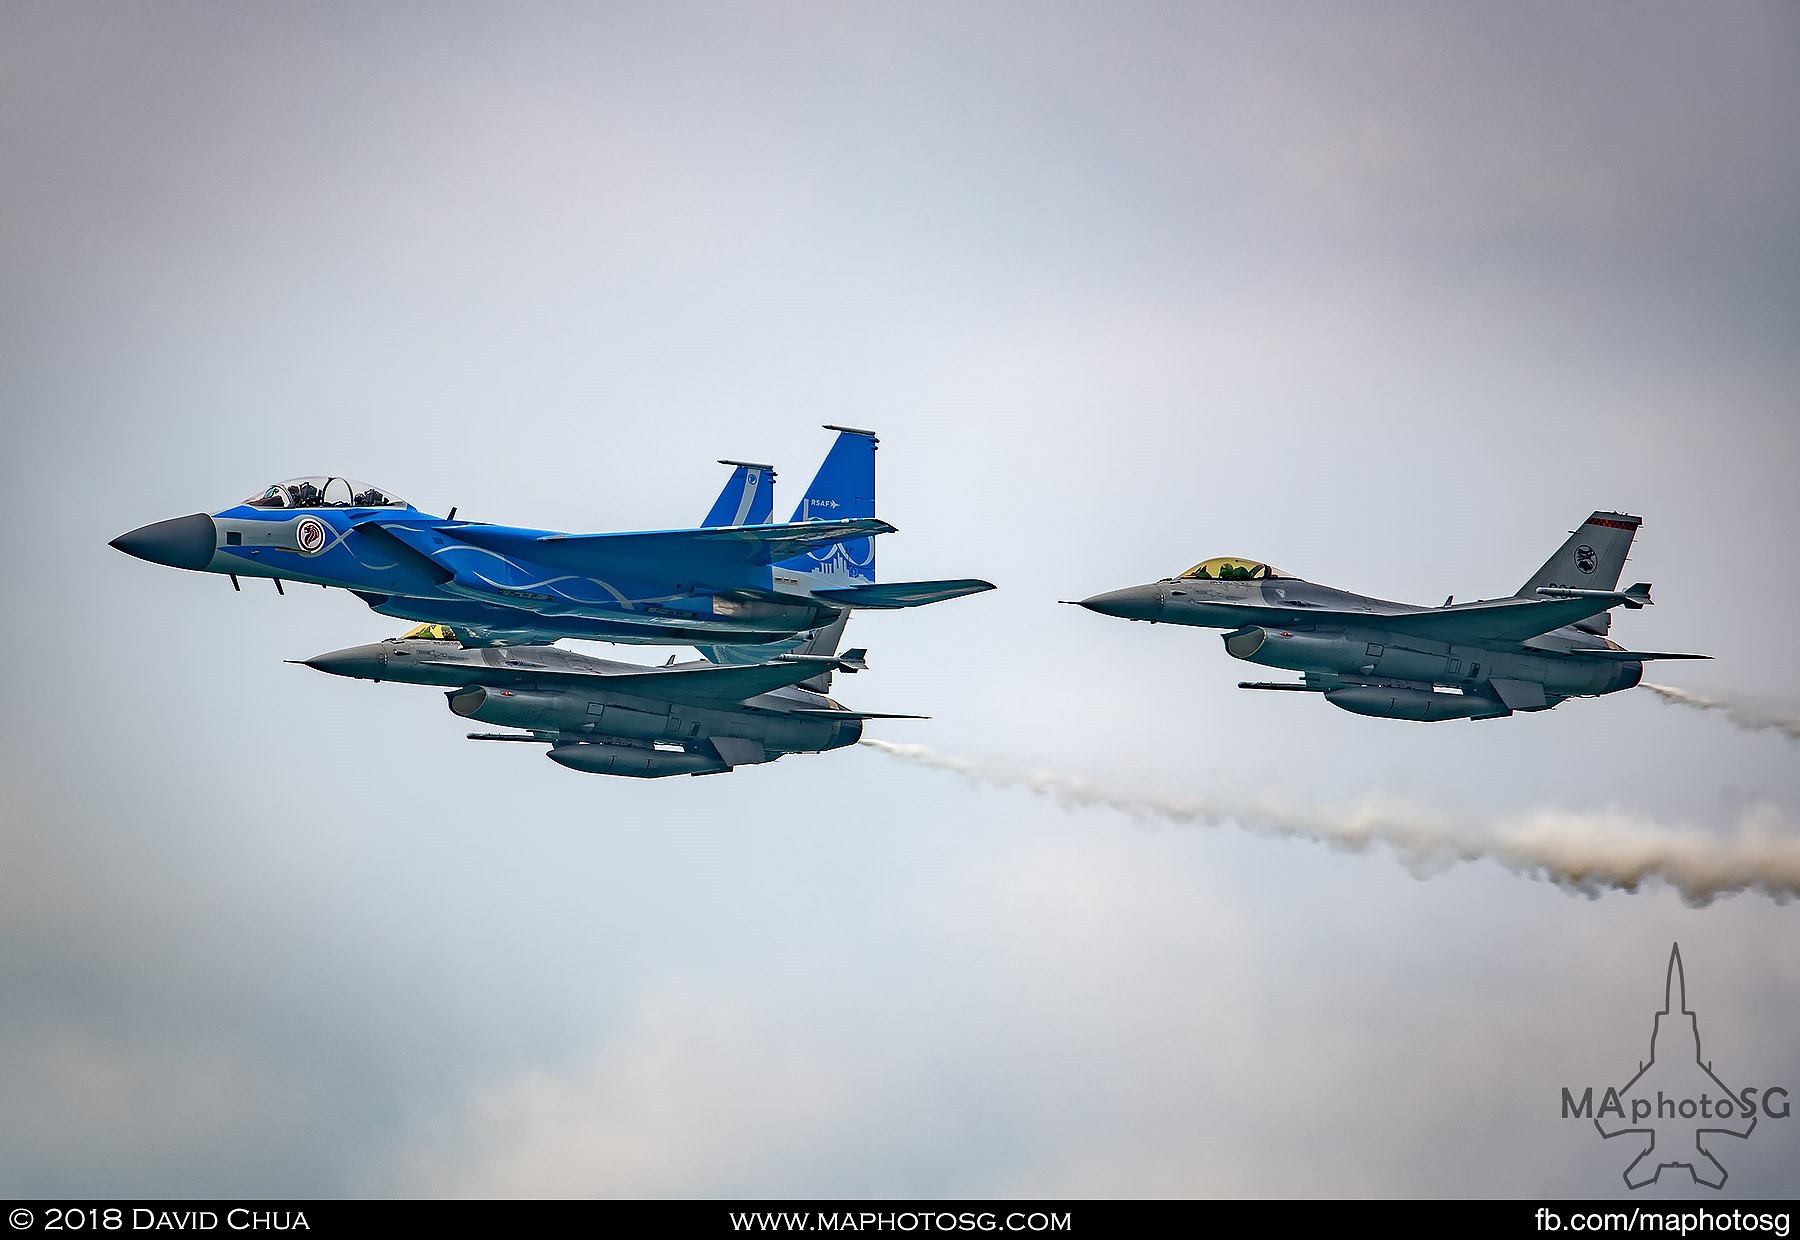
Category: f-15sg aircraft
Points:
column 735, row 579
column 610, row 718
column 1481, row 660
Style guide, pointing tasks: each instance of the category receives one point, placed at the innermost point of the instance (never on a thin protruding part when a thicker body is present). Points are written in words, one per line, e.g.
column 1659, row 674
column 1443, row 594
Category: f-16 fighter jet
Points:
column 1481, row 660
column 735, row 579
column 611, row 718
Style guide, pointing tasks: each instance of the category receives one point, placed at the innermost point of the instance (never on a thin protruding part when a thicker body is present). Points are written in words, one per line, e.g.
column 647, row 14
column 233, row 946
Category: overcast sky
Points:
column 1389, row 295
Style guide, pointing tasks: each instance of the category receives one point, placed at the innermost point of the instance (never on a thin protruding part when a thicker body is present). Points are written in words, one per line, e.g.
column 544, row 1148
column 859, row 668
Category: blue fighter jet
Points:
column 735, row 579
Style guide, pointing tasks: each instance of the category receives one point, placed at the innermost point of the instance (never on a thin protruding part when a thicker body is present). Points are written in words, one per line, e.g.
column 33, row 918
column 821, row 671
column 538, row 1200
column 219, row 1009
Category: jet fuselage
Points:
column 737, row 578
column 413, row 566
column 1344, row 647
column 564, row 699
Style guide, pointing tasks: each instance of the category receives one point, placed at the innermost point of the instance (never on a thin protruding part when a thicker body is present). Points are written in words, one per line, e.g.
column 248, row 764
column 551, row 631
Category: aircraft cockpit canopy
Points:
column 1230, row 568
column 322, row 492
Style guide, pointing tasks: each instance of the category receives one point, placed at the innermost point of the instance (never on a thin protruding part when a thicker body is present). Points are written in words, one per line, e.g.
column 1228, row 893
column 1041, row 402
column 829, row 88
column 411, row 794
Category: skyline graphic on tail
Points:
column 843, row 573
column 843, row 488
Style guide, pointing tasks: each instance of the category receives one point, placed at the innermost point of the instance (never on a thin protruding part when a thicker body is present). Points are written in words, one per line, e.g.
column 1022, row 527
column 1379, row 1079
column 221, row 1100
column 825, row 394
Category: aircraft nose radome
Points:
column 352, row 662
column 1135, row 603
column 180, row 542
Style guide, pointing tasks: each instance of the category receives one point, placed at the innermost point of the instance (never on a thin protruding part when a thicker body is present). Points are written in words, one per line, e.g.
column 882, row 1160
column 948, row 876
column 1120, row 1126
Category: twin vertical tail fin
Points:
column 843, row 488
column 1591, row 559
column 843, row 574
column 748, row 497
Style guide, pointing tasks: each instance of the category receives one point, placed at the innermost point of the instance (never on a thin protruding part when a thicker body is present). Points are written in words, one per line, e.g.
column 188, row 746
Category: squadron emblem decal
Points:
column 309, row 535
column 1586, row 558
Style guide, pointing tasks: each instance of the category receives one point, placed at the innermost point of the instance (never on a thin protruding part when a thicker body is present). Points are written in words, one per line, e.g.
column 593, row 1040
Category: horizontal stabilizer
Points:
column 530, row 738
column 896, row 594
column 1634, row 656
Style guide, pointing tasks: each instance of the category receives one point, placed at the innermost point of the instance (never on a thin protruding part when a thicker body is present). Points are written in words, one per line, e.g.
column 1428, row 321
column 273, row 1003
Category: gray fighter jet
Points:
column 609, row 718
column 1480, row 660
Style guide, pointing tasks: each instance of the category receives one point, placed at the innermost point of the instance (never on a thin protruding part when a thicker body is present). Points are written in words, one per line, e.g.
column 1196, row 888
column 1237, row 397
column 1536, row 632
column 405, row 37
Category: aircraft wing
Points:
column 712, row 685
column 696, row 684
column 680, row 553
column 1497, row 620
column 407, row 543
column 1630, row 656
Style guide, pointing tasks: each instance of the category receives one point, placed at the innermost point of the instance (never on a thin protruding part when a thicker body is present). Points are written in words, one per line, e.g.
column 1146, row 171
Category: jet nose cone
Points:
column 357, row 661
column 181, row 542
column 1134, row 603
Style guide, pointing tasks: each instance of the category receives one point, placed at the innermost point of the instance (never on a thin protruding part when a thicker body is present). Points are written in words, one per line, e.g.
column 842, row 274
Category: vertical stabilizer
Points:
column 748, row 497
column 843, row 488
column 1591, row 559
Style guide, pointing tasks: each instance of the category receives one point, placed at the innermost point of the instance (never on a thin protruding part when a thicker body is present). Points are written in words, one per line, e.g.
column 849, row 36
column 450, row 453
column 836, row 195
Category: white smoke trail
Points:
column 1746, row 713
column 1582, row 851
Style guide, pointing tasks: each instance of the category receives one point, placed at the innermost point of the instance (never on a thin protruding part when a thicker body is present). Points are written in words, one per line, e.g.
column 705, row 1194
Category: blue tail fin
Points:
column 748, row 497
column 843, row 487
